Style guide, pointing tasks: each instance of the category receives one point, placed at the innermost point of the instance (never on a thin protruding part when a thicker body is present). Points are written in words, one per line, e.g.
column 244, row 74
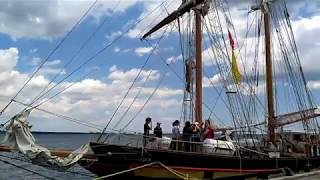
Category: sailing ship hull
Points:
column 114, row 158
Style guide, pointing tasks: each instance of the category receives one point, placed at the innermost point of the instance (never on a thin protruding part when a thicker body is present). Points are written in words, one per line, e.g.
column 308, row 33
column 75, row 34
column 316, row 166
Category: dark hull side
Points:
column 113, row 158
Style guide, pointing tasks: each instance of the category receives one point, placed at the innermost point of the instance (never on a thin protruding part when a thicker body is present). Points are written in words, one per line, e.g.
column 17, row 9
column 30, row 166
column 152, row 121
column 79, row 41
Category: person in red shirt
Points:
column 208, row 130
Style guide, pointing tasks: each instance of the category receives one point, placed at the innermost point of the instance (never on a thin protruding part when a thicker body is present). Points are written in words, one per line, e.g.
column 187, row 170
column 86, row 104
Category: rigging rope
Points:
column 84, row 44
column 96, row 54
column 133, row 82
column 50, row 54
column 146, row 102
column 133, row 101
column 95, row 126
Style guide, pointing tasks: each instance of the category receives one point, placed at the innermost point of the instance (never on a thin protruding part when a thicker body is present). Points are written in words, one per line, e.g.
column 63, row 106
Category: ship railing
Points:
column 137, row 140
column 165, row 143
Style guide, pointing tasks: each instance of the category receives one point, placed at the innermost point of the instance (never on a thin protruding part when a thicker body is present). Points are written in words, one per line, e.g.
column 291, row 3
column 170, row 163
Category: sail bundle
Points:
column 19, row 137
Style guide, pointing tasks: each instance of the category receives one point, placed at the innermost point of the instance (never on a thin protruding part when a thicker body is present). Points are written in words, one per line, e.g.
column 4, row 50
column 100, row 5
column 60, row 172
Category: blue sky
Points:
column 30, row 30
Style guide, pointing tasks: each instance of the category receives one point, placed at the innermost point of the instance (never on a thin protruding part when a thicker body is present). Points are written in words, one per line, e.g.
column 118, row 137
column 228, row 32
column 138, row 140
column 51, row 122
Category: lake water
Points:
column 51, row 141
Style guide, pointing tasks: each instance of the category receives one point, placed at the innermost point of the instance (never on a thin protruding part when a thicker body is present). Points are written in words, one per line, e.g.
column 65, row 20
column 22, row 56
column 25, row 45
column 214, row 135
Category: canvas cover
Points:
column 19, row 137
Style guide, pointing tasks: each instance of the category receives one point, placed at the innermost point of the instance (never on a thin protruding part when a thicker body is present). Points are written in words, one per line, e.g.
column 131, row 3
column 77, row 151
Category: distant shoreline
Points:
column 41, row 132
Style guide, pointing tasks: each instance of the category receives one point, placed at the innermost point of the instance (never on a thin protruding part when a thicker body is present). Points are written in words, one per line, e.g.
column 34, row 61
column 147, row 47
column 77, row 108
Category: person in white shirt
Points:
column 175, row 135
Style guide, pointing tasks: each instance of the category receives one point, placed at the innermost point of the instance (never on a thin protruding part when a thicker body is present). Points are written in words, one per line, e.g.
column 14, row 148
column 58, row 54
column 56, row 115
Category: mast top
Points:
column 185, row 7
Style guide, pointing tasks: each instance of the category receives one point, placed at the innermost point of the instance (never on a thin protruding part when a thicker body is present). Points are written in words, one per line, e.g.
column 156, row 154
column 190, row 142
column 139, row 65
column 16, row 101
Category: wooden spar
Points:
column 284, row 119
column 59, row 153
column 186, row 7
column 198, row 43
column 294, row 117
column 269, row 78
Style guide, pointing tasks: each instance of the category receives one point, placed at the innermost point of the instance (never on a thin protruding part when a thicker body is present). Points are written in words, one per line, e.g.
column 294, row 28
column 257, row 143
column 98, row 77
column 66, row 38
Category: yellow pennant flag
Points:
column 235, row 70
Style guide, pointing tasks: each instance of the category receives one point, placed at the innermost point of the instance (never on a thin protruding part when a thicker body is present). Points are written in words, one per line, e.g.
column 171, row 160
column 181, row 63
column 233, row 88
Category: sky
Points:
column 30, row 31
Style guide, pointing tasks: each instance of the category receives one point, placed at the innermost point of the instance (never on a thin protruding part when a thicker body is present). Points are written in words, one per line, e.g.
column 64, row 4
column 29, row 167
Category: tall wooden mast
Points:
column 269, row 74
column 198, row 43
column 200, row 7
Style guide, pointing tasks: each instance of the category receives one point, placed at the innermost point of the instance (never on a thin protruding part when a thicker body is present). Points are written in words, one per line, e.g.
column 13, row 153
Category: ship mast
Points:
column 269, row 74
column 199, row 90
column 200, row 8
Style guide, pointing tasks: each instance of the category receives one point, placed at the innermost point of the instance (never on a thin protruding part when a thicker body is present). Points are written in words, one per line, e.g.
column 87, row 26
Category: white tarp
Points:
column 19, row 137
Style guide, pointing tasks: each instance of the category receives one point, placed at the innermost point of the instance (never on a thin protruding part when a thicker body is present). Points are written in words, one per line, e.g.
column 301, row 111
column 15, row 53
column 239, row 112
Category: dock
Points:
column 313, row 175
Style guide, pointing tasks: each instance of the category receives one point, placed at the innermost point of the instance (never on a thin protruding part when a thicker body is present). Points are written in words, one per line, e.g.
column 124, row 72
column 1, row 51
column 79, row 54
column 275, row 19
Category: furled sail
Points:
column 189, row 78
column 297, row 116
column 19, row 137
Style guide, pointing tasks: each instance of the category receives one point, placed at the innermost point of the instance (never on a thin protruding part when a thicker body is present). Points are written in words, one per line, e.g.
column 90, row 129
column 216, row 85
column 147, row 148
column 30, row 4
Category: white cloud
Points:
column 8, row 59
column 117, row 49
column 207, row 57
column 141, row 51
column 307, row 32
column 113, row 35
column 34, row 50
column 90, row 100
column 94, row 100
column 249, row 90
column 120, row 76
column 50, row 19
column 215, row 80
column 49, row 68
column 53, row 62
column 173, row 59
column 315, row 85
column 152, row 19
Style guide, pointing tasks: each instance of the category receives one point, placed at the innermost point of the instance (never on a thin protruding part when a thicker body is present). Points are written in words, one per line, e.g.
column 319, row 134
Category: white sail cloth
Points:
column 213, row 146
column 19, row 137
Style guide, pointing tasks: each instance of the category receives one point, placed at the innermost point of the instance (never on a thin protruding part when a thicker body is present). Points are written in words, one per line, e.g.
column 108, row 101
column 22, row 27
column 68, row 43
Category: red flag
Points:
column 231, row 40
column 234, row 65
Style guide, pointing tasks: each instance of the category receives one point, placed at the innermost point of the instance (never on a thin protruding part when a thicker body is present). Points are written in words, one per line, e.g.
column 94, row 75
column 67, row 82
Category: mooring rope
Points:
column 176, row 173
column 126, row 171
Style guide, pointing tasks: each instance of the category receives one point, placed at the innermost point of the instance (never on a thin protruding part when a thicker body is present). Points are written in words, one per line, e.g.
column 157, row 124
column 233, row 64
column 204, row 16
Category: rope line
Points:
column 146, row 102
column 28, row 170
column 84, row 44
column 176, row 173
column 95, row 126
column 133, row 82
column 51, row 53
column 126, row 171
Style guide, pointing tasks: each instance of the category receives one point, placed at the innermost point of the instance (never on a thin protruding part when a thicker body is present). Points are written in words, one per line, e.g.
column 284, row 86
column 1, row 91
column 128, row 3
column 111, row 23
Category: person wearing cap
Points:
column 158, row 130
column 146, row 129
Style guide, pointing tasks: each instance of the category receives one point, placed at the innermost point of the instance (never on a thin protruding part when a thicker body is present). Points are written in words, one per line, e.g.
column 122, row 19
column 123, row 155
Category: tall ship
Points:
column 246, row 154
column 273, row 127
